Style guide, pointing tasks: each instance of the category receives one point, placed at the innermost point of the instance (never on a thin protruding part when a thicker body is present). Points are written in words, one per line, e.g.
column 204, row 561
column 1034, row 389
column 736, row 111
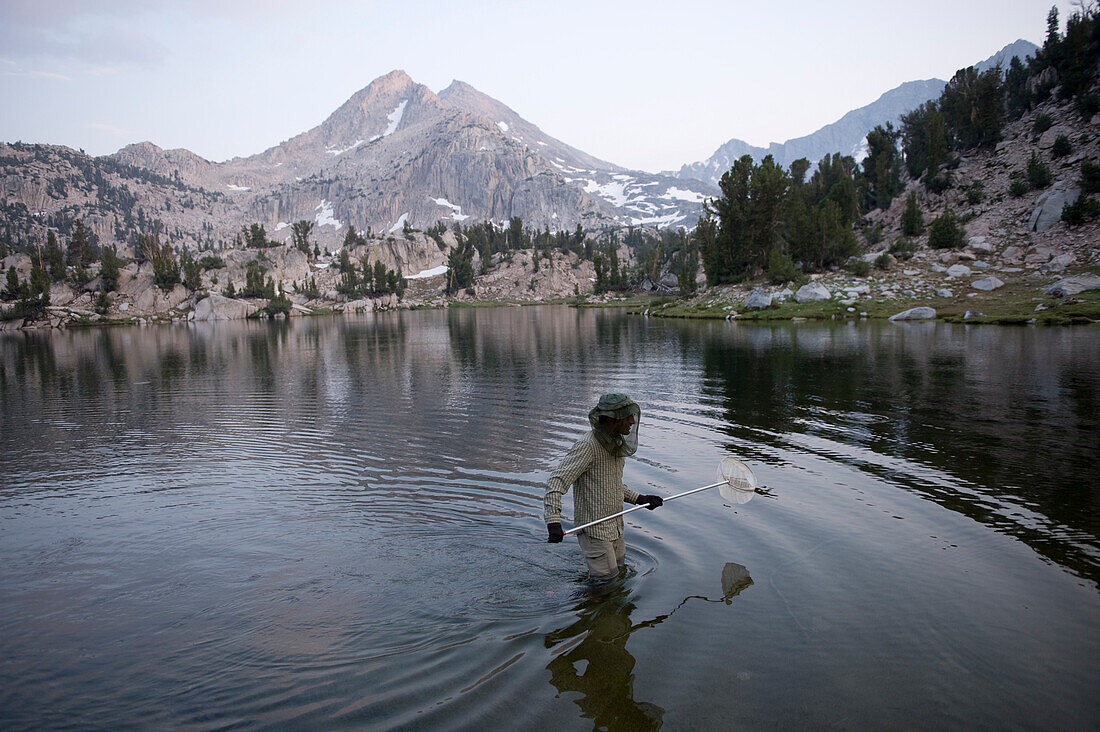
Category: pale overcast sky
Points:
column 648, row 85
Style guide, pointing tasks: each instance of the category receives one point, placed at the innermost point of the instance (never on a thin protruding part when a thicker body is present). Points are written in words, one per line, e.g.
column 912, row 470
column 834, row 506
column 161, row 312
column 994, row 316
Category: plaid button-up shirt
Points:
column 597, row 477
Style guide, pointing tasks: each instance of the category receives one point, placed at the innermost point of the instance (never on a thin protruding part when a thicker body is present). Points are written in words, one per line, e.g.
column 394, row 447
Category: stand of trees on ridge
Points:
column 771, row 221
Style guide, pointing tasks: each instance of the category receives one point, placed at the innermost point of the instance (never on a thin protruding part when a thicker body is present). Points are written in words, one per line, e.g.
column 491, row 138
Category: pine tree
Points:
column 380, row 277
column 689, row 270
column 460, row 264
column 39, row 281
column 192, row 272
column 945, row 232
column 11, row 290
column 750, row 215
column 55, row 258
column 300, row 231
column 912, row 222
column 102, row 302
column 253, row 280
column 882, row 166
column 110, row 269
column 1017, row 95
column 80, row 249
column 349, row 282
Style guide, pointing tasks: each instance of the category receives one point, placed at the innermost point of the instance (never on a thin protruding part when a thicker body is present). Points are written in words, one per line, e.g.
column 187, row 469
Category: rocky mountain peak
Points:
column 564, row 157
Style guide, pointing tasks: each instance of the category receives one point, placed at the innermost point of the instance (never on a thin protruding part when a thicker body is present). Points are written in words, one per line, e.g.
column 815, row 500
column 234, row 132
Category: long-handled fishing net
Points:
column 736, row 484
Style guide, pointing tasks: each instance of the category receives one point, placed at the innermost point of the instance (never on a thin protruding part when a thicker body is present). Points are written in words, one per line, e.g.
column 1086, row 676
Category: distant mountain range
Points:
column 848, row 134
column 395, row 153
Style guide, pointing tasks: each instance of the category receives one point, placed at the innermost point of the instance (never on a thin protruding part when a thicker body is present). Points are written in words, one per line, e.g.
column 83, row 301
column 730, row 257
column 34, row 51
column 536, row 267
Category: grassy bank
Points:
column 1011, row 304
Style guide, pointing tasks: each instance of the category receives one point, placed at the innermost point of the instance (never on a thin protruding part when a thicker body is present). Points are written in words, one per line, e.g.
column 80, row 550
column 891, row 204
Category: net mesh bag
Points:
column 738, row 482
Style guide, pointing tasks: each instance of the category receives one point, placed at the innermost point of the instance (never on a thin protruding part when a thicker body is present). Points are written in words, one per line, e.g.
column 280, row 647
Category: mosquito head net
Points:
column 615, row 421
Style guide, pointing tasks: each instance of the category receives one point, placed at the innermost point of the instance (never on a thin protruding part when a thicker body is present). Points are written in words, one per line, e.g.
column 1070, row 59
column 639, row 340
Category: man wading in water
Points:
column 594, row 465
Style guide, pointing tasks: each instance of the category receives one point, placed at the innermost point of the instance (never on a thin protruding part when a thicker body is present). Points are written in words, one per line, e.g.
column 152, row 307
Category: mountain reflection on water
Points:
column 338, row 523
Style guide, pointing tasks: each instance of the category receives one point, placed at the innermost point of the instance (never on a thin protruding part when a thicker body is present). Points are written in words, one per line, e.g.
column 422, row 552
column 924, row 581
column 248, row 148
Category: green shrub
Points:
column 975, row 193
column 873, row 234
column 945, row 232
column 102, row 302
column 1083, row 210
column 859, row 268
column 1017, row 188
column 1089, row 104
column 937, row 183
column 883, row 261
column 780, row 267
column 1090, row 177
column 904, row 248
column 1038, row 174
column 1062, row 147
column 280, row 303
column 1043, row 122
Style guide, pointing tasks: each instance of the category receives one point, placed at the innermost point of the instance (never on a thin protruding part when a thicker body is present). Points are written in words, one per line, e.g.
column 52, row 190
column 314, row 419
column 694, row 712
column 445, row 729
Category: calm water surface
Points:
column 337, row 524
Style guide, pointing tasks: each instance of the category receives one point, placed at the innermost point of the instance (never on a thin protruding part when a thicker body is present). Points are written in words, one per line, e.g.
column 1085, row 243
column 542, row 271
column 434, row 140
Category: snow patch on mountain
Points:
column 503, row 126
column 861, row 150
column 666, row 220
column 233, row 187
column 352, row 146
column 325, row 216
column 395, row 118
column 614, row 192
column 441, row 269
column 400, row 223
column 457, row 215
column 677, row 194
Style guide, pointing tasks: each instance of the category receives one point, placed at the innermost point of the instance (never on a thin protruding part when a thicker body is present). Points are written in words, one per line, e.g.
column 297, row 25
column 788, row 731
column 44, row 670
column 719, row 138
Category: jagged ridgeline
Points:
column 395, row 153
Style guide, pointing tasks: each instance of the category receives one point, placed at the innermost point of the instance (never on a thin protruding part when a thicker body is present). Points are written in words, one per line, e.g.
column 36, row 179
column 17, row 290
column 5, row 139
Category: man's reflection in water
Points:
column 597, row 665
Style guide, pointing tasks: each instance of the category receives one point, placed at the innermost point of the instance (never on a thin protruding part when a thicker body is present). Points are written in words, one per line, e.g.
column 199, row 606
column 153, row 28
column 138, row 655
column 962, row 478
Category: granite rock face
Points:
column 1048, row 208
column 217, row 307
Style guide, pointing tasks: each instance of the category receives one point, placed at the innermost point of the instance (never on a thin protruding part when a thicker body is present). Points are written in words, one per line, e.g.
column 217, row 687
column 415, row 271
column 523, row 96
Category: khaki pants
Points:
column 602, row 557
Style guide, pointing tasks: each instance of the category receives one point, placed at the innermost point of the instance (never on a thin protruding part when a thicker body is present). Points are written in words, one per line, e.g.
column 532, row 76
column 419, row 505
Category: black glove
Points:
column 556, row 534
column 650, row 502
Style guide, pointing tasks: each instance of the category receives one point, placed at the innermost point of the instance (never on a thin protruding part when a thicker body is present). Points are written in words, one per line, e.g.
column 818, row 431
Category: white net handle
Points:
column 738, row 482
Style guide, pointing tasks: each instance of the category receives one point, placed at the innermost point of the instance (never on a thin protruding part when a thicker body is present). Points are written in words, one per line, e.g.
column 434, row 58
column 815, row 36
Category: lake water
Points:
column 337, row 523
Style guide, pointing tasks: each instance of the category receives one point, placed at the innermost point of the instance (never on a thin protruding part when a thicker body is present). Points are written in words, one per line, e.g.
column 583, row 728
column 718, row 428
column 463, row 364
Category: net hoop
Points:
column 738, row 482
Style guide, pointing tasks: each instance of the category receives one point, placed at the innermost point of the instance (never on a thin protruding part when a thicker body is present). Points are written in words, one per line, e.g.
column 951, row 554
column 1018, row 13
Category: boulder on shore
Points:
column 987, row 284
column 758, row 299
column 813, row 292
column 219, row 307
column 921, row 313
column 1074, row 285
